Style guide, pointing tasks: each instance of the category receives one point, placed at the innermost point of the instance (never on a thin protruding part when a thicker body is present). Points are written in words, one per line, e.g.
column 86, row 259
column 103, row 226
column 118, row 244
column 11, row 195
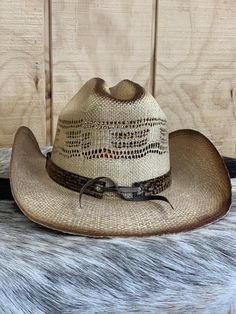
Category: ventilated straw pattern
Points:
column 121, row 133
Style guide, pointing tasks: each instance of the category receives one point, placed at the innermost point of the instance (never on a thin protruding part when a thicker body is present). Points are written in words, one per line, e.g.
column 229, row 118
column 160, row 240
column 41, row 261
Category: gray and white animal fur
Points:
column 43, row 271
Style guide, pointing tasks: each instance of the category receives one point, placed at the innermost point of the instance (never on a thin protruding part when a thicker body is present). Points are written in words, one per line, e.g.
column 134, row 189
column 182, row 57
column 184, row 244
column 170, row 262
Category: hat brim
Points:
column 200, row 193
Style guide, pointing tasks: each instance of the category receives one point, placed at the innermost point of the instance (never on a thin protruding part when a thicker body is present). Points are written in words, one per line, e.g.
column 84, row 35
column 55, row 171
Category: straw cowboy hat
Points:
column 114, row 169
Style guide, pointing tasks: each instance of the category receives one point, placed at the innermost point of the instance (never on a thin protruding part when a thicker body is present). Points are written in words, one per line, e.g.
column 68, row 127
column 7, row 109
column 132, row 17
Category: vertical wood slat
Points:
column 108, row 39
column 196, row 65
column 22, row 79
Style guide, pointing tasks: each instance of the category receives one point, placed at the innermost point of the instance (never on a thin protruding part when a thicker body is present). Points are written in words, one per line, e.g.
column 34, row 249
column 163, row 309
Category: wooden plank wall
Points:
column 196, row 65
column 109, row 39
column 182, row 51
column 22, row 71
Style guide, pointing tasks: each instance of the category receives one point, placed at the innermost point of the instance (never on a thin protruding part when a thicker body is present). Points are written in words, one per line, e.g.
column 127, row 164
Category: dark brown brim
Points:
column 200, row 193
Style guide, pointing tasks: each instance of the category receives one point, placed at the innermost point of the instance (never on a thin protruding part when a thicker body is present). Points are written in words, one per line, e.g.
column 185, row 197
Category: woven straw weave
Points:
column 120, row 133
column 103, row 131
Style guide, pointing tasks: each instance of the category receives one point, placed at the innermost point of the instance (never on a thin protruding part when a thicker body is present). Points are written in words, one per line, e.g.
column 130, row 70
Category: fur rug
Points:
column 42, row 271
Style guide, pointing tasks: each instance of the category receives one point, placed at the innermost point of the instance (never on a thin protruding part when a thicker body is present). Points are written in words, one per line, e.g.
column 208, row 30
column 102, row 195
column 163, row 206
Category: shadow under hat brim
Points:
column 200, row 193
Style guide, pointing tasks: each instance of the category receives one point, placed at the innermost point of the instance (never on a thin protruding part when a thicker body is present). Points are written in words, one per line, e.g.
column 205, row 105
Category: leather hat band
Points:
column 139, row 191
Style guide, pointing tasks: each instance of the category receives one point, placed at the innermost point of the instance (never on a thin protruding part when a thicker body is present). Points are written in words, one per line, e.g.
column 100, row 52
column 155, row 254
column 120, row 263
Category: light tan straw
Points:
column 96, row 130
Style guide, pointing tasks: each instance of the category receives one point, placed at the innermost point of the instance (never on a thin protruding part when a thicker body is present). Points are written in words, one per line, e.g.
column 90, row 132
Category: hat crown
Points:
column 118, row 132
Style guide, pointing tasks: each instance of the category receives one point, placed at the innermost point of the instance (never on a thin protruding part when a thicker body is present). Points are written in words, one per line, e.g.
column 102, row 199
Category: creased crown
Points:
column 118, row 132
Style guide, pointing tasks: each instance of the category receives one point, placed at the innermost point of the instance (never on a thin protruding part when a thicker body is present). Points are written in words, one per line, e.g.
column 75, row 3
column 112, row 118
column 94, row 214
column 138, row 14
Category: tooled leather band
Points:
column 143, row 190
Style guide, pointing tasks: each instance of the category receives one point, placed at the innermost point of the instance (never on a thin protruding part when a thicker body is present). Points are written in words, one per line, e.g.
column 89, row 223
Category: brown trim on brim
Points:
column 184, row 135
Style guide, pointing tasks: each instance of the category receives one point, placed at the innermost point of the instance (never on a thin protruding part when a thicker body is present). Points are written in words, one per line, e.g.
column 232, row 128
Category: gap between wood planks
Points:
column 154, row 46
column 48, row 68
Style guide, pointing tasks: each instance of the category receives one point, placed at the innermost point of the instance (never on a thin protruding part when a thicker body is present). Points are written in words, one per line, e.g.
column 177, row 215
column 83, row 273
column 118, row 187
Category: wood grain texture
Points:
column 22, row 83
column 196, row 64
column 100, row 38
